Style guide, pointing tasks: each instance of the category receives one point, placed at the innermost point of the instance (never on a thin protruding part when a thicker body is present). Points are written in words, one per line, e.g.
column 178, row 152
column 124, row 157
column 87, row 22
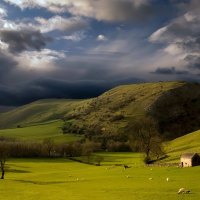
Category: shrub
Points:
column 115, row 146
column 117, row 117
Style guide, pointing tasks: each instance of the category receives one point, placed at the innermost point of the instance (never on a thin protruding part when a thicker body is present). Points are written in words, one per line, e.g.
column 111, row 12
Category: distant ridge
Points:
column 175, row 106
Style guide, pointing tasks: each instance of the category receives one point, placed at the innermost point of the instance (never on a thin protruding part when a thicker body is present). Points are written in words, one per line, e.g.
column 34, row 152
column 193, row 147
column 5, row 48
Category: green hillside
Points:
column 36, row 112
column 189, row 143
column 175, row 106
column 39, row 132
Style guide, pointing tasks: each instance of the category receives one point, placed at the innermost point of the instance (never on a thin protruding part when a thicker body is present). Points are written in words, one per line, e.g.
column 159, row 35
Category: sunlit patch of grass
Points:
column 64, row 179
column 189, row 143
column 39, row 132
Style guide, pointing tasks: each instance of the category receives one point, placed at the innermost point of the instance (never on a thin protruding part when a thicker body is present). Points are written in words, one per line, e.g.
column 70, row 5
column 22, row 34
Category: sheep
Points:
column 183, row 191
column 167, row 179
column 150, row 179
column 127, row 176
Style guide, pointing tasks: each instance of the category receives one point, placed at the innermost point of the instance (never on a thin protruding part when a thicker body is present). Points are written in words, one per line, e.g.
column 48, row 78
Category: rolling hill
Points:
column 37, row 112
column 189, row 143
column 39, row 132
column 175, row 106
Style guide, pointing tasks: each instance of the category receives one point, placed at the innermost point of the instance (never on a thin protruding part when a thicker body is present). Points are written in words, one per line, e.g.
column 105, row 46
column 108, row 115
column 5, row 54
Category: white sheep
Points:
column 183, row 191
column 150, row 179
column 167, row 179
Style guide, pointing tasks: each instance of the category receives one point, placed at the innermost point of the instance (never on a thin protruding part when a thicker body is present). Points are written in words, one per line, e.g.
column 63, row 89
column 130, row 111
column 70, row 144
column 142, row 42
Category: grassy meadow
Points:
column 38, row 112
column 39, row 132
column 189, row 143
column 50, row 179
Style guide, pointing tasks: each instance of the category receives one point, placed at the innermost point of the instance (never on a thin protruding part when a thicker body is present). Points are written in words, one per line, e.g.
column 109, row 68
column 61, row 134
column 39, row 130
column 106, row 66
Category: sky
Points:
column 81, row 48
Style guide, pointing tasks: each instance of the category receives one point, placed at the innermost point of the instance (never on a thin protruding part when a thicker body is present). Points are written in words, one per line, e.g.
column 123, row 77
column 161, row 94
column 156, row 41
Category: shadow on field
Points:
column 116, row 158
column 16, row 165
column 42, row 160
column 44, row 182
column 18, row 171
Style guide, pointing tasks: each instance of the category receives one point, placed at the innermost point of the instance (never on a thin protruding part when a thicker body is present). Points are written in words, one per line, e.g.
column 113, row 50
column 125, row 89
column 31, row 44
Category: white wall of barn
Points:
column 186, row 162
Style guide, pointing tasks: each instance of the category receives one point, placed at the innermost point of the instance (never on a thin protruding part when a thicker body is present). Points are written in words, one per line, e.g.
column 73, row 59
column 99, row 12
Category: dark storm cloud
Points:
column 78, row 89
column 52, row 88
column 21, row 40
column 170, row 71
column 6, row 65
column 7, row 96
column 190, row 45
column 193, row 61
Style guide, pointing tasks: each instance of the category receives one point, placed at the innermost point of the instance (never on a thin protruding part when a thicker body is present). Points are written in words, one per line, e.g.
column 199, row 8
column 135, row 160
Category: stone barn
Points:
column 190, row 160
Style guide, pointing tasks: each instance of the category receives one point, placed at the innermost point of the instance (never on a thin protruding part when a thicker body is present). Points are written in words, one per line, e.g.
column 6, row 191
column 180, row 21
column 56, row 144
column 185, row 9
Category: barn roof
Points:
column 188, row 155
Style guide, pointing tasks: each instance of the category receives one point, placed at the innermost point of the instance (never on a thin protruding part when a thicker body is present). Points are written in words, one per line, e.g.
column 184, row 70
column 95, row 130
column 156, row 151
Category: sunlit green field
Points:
column 39, row 132
column 63, row 179
column 189, row 143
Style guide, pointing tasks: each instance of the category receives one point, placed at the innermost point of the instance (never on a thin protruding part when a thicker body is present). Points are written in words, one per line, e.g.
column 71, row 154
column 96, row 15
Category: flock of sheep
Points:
column 180, row 191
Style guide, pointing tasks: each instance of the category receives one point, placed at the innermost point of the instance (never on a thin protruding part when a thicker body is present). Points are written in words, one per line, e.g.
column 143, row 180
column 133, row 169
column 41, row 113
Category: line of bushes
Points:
column 48, row 148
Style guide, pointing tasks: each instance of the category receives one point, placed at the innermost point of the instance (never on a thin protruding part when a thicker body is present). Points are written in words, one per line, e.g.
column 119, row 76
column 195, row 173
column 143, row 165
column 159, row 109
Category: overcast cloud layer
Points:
column 79, row 49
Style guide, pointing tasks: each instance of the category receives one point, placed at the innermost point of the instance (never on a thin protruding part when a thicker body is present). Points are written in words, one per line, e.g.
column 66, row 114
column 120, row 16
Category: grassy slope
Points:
column 39, row 132
column 186, row 144
column 132, row 100
column 57, row 179
column 174, row 105
column 39, row 111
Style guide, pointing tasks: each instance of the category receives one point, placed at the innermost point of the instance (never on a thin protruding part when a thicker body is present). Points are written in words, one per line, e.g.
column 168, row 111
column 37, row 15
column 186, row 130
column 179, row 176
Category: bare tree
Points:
column 88, row 147
column 48, row 145
column 144, row 137
column 4, row 153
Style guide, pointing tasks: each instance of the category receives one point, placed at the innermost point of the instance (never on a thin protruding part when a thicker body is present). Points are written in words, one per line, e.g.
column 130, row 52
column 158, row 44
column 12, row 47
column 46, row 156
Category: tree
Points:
column 48, row 145
column 144, row 137
column 4, row 153
column 88, row 147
